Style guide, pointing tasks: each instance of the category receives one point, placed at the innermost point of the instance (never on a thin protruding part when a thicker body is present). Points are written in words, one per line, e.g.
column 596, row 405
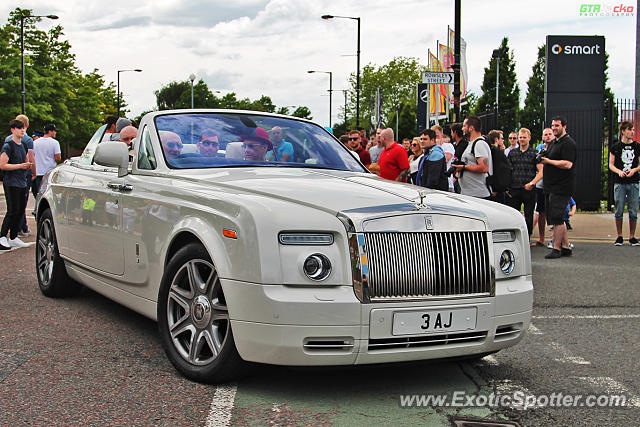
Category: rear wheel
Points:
column 52, row 274
column 193, row 319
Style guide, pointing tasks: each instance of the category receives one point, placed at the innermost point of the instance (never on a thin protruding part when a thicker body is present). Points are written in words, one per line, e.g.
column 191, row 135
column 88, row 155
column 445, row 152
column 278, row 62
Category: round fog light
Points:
column 507, row 261
column 317, row 267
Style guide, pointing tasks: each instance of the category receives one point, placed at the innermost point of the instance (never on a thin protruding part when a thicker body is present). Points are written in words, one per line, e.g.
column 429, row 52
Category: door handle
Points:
column 120, row 187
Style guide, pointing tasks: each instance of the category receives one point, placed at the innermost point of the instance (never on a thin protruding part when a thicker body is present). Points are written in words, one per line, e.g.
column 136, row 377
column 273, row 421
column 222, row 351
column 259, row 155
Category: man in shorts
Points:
column 559, row 184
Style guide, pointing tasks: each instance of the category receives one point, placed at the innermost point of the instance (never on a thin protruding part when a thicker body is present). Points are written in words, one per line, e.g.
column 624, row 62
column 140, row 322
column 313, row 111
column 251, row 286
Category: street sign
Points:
column 432, row 77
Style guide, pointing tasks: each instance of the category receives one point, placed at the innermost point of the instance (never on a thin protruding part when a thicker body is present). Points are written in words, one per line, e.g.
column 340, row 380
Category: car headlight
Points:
column 507, row 261
column 317, row 267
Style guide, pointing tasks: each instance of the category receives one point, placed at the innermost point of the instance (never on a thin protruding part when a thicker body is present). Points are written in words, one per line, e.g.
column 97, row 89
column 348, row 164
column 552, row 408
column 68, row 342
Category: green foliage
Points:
column 56, row 91
column 509, row 91
column 532, row 115
column 177, row 95
column 398, row 81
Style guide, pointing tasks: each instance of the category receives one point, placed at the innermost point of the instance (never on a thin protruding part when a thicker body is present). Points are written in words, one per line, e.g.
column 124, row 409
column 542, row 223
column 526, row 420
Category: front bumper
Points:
column 286, row 325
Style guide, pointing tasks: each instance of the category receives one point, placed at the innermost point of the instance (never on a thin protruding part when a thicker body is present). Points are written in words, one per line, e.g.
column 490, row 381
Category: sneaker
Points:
column 550, row 245
column 619, row 241
column 634, row 242
column 566, row 252
column 24, row 233
column 553, row 254
column 17, row 243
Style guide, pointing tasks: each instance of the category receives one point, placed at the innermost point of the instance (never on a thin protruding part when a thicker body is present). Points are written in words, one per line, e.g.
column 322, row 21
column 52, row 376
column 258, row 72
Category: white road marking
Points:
column 534, row 331
column 603, row 316
column 221, row 406
column 613, row 387
column 508, row 387
column 566, row 356
column 490, row 360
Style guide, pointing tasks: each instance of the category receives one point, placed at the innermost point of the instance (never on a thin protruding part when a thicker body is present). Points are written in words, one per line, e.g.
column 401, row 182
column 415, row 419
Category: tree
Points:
column 398, row 81
column 302, row 112
column 509, row 91
column 56, row 91
column 532, row 115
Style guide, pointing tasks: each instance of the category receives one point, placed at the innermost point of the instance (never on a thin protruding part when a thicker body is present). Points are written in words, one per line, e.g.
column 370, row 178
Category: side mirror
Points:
column 113, row 154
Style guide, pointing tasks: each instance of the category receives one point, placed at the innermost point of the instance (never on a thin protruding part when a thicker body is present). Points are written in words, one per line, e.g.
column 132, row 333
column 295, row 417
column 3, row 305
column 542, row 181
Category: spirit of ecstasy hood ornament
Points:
column 423, row 195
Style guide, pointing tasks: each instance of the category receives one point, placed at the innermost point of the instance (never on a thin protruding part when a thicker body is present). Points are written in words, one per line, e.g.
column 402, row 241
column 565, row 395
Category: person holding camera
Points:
column 475, row 164
column 559, row 184
column 623, row 162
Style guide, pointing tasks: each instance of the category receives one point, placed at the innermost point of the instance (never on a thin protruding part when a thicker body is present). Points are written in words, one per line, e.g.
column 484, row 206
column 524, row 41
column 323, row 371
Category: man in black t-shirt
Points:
column 623, row 162
column 559, row 184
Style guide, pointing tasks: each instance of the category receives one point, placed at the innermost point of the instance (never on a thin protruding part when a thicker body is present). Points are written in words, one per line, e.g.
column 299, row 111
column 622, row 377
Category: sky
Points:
column 256, row 47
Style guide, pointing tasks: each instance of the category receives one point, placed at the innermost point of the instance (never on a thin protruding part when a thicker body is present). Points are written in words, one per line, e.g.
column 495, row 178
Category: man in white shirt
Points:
column 47, row 154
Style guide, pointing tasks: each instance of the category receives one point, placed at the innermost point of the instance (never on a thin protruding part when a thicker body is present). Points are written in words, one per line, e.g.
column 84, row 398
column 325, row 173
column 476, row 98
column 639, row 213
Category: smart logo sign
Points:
column 575, row 64
column 556, row 49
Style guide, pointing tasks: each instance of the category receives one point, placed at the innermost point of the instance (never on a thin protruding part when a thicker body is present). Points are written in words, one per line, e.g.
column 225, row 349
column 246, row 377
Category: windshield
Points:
column 209, row 140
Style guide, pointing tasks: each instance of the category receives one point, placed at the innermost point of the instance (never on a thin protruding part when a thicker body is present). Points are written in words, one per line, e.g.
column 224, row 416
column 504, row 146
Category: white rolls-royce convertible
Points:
column 254, row 237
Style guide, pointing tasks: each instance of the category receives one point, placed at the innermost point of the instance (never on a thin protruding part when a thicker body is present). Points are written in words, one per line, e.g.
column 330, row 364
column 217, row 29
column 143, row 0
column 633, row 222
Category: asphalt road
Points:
column 88, row 360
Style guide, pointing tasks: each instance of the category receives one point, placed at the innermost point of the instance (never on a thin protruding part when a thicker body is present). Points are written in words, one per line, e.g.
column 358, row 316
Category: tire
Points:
column 50, row 270
column 193, row 319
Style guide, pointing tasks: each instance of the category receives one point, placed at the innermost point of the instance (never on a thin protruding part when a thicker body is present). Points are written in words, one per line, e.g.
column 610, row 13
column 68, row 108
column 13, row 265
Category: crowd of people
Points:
column 538, row 181
column 24, row 160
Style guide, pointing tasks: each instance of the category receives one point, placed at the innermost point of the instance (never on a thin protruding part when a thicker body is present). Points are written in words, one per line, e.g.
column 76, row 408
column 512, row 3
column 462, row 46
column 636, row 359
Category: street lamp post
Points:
column 22, row 18
column 137, row 70
column 330, row 89
column 358, row 64
column 192, row 77
column 497, row 54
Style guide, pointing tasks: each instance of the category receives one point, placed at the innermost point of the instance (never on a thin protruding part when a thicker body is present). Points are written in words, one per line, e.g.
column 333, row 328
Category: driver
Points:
column 256, row 145
column 171, row 144
column 209, row 143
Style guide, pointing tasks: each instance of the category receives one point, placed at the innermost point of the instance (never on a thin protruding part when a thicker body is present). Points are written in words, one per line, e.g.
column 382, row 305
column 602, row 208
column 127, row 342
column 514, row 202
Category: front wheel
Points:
column 52, row 274
column 193, row 318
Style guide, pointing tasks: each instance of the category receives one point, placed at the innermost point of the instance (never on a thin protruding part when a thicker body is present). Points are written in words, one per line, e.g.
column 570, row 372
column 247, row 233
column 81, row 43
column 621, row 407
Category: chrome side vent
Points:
column 507, row 332
column 328, row 344
column 427, row 341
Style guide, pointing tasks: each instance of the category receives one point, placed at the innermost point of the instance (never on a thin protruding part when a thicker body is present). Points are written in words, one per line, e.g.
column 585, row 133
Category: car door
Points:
column 95, row 232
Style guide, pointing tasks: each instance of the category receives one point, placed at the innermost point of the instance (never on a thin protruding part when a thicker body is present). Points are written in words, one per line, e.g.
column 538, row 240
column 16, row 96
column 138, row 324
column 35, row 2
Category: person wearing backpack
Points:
column 500, row 181
column 476, row 162
column 525, row 173
column 13, row 162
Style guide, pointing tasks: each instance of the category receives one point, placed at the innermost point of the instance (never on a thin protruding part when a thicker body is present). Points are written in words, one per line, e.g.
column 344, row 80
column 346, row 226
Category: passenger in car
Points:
column 255, row 146
column 282, row 150
column 171, row 144
column 209, row 143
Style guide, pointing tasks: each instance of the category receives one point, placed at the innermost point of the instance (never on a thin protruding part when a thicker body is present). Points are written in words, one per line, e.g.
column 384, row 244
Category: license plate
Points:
column 434, row 321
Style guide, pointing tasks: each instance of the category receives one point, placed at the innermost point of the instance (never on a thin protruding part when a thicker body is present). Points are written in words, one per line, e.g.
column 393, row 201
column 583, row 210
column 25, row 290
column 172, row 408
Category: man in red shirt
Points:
column 355, row 144
column 394, row 164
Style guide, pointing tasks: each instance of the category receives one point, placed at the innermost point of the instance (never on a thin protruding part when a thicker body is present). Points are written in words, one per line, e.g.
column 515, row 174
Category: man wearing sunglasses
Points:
column 355, row 144
column 256, row 144
column 513, row 143
column 209, row 143
column 171, row 144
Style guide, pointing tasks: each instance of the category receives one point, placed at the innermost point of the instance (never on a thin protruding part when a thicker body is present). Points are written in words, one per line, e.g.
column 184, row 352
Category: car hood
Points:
column 342, row 191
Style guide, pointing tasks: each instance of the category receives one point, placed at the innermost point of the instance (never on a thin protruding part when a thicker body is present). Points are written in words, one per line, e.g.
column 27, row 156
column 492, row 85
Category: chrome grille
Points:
column 405, row 266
